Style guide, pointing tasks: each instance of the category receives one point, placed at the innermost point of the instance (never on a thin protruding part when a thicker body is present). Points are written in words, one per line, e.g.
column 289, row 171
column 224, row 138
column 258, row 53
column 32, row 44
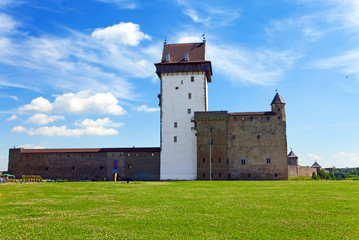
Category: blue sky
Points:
column 77, row 74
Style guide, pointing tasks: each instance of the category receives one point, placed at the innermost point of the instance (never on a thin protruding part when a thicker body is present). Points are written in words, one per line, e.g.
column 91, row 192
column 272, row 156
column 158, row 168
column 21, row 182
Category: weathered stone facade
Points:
column 86, row 164
column 246, row 146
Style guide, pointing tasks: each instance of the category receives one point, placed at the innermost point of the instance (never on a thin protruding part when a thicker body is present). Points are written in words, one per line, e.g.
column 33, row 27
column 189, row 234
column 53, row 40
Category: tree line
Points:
column 337, row 174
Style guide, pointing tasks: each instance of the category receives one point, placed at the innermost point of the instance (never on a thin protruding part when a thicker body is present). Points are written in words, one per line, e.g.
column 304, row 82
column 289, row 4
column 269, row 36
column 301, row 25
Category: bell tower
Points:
column 184, row 74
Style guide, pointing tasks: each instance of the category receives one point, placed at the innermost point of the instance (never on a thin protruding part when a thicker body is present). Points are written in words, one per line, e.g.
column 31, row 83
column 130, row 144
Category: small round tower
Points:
column 278, row 107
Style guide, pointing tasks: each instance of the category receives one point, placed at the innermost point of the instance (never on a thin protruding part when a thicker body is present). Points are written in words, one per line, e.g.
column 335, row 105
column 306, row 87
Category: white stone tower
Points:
column 184, row 74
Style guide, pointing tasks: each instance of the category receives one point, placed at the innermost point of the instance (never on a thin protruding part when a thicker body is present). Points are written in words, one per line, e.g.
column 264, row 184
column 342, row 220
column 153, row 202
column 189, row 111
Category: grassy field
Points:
column 181, row 210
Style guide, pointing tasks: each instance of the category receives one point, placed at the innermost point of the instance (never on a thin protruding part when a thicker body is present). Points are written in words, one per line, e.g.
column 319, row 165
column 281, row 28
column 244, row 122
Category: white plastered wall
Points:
column 179, row 159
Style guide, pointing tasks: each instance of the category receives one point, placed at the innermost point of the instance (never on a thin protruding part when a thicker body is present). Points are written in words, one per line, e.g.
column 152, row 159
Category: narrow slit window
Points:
column 175, row 124
column 192, row 78
column 175, row 138
column 189, row 95
column 189, row 111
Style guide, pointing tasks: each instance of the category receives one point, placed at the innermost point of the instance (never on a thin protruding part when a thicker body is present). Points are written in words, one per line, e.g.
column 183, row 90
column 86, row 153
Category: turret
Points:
column 278, row 107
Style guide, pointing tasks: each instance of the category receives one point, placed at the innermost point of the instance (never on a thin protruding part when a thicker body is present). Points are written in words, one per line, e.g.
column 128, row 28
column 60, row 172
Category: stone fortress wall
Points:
column 86, row 164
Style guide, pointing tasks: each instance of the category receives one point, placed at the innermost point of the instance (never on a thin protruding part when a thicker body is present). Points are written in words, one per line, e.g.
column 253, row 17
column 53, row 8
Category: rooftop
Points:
column 89, row 150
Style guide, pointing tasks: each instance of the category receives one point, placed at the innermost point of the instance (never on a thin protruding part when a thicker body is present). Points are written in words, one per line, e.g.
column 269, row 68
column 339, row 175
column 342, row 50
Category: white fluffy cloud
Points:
column 18, row 129
column 76, row 103
column 105, row 122
column 13, row 117
column 39, row 104
column 123, row 33
column 314, row 157
column 99, row 127
column 145, row 108
column 44, row 119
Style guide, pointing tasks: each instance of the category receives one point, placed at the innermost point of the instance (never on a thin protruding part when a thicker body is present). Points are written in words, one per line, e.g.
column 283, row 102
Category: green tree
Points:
column 321, row 174
column 314, row 176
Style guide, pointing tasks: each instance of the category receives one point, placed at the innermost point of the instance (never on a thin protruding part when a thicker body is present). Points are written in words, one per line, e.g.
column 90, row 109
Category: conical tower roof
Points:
column 316, row 165
column 277, row 99
column 292, row 154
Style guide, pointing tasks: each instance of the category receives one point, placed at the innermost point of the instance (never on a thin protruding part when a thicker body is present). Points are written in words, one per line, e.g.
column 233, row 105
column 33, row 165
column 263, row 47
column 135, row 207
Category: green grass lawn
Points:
column 181, row 210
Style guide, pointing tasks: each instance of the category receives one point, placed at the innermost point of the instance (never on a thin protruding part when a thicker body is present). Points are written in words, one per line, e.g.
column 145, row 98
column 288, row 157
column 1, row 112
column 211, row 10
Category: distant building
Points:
column 294, row 170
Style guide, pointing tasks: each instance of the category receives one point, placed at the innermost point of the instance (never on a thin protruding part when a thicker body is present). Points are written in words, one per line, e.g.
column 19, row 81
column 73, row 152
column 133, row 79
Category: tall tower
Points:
column 184, row 74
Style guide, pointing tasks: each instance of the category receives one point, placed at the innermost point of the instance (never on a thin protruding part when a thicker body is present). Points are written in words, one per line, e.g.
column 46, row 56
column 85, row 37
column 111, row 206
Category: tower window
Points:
column 268, row 160
column 175, row 124
column 189, row 111
column 227, row 161
column 243, row 161
column 251, row 118
column 181, row 82
column 258, row 137
column 204, row 175
column 204, row 160
column 279, row 118
column 219, row 175
column 189, row 95
column 192, row 78
column 235, row 118
column 278, row 109
column 175, row 138
column 186, row 56
column 219, row 160
column 211, row 160
column 234, row 137
column 210, row 129
column 268, row 118
column 167, row 57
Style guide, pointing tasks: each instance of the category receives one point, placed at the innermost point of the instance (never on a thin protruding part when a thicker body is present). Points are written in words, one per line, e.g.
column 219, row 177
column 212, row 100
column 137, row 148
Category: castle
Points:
column 195, row 143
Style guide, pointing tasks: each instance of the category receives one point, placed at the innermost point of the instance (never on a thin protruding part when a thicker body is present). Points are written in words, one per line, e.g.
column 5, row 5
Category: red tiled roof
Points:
column 196, row 61
column 90, row 150
column 196, row 52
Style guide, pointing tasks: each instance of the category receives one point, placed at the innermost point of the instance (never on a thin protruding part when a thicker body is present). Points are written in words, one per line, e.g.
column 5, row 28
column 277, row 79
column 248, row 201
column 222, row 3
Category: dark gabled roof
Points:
column 277, row 99
column 292, row 154
column 90, row 150
column 316, row 165
column 251, row 113
column 196, row 61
